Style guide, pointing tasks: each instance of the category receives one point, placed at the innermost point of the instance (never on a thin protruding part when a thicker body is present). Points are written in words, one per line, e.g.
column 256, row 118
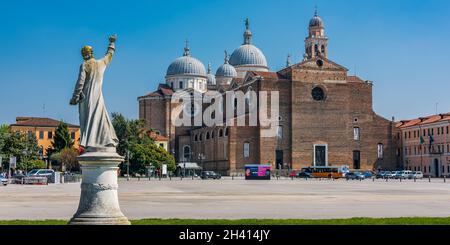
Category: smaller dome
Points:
column 316, row 21
column 186, row 65
column 226, row 70
column 211, row 79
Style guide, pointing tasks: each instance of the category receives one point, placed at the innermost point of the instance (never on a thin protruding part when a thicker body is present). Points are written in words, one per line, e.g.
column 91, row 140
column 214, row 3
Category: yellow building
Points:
column 44, row 130
column 160, row 140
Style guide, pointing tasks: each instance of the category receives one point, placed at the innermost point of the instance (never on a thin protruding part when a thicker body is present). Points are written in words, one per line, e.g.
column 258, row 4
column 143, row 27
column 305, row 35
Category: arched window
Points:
column 196, row 137
column 246, row 150
column 207, row 135
column 323, row 49
column 201, row 137
column 212, row 134
column 356, row 133
column 226, row 132
column 380, row 151
column 220, row 132
column 187, row 153
column 180, row 84
column 280, row 132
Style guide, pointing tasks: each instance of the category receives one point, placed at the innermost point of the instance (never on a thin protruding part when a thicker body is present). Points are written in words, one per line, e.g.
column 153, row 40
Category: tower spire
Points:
column 186, row 48
column 315, row 11
column 288, row 60
column 247, row 33
column 226, row 57
column 209, row 67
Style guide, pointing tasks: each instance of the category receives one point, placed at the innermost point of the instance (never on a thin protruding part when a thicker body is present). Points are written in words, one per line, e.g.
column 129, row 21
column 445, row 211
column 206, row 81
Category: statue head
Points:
column 87, row 52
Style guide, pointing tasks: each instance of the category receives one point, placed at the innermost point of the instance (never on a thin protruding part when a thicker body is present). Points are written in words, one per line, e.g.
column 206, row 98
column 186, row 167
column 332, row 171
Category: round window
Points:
column 318, row 94
column 319, row 63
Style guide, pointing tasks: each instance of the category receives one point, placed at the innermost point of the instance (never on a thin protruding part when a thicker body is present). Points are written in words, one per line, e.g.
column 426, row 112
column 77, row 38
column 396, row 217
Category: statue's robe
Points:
column 96, row 128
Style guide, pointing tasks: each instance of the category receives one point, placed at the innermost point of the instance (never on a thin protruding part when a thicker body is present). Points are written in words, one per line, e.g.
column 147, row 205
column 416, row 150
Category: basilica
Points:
column 325, row 117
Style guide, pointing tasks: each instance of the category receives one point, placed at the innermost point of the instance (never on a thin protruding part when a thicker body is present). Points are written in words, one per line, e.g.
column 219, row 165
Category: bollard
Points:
column 192, row 177
column 292, row 178
column 232, row 177
column 170, row 177
column 429, row 178
column 444, row 179
column 400, row 179
column 387, row 179
column 139, row 178
column 373, row 179
column 414, row 179
column 159, row 177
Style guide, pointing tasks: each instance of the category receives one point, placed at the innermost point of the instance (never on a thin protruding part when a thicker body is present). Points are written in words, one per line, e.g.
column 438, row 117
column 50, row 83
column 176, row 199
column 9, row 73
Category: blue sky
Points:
column 402, row 45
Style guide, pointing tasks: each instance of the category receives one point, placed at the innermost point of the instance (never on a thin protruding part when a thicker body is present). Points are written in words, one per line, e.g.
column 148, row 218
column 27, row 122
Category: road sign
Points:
column 12, row 162
column 164, row 169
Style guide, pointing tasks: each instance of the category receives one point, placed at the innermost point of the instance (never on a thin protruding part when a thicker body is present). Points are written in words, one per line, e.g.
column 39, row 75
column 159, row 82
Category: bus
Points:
column 334, row 172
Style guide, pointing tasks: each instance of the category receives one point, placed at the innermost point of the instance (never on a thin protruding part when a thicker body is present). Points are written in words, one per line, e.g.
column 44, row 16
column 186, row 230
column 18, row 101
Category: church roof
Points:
column 39, row 122
column 163, row 90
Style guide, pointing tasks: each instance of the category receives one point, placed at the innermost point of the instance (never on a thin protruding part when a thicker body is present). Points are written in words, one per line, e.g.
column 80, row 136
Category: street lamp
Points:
column 129, row 154
column 201, row 157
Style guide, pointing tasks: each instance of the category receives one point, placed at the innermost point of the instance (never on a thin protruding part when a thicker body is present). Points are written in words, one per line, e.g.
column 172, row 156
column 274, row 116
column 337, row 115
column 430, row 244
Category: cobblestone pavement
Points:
column 236, row 199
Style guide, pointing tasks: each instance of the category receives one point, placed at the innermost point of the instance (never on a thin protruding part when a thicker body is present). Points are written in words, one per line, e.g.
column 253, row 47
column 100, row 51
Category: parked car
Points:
column 397, row 175
column 406, row 174
column 368, row 174
column 380, row 175
column 3, row 180
column 355, row 175
column 417, row 175
column 210, row 175
column 41, row 173
column 293, row 174
column 304, row 175
column 390, row 175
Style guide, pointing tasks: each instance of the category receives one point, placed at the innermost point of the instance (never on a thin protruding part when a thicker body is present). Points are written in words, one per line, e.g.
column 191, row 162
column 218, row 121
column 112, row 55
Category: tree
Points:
column 62, row 138
column 69, row 159
column 24, row 147
column 134, row 137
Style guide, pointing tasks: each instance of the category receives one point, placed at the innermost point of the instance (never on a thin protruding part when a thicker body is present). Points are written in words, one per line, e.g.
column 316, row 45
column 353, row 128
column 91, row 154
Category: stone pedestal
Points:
column 99, row 204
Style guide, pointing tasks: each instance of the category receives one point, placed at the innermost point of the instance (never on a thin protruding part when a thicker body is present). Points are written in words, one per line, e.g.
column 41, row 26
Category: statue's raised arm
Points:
column 111, row 49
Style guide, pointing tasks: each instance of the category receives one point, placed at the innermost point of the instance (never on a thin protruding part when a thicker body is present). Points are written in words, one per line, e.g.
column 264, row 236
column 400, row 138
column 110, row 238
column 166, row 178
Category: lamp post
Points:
column 201, row 157
column 128, row 164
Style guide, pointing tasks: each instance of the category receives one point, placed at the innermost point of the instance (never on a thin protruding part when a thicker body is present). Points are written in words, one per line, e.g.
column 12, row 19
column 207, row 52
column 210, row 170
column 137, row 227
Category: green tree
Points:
column 134, row 137
column 24, row 147
column 62, row 138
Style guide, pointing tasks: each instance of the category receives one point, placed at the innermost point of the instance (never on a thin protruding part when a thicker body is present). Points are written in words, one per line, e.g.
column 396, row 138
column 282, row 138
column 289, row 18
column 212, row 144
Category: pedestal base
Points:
column 99, row 204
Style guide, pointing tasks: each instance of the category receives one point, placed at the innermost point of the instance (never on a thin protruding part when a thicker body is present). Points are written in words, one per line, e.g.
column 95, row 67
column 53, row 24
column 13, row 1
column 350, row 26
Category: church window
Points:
column 318, row 94
column 323, row 49
column 186, row 152
column 207, row 135
column 280, row 132
column 181, row 84
column 246, row 150
column 201, row 137
column 196, row 137
column 212, row 134
column 220, row 132
column 226, row 131
column 356, row 133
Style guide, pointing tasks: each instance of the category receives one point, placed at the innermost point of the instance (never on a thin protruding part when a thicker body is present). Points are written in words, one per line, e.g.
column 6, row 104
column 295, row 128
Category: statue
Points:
column 99, row 203
column 96, row 128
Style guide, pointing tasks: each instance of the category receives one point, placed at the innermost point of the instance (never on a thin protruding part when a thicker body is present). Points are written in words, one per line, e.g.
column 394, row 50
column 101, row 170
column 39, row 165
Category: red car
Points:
column 293, row 173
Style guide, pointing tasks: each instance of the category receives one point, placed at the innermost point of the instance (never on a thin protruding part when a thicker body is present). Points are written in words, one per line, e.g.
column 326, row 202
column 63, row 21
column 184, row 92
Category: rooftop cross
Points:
column 186, row 48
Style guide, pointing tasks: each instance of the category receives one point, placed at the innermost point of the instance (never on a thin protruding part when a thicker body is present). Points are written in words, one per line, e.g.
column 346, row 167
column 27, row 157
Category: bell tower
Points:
column 316, row 44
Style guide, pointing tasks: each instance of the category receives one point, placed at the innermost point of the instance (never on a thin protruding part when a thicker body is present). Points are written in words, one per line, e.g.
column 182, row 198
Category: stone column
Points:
column 99, row 204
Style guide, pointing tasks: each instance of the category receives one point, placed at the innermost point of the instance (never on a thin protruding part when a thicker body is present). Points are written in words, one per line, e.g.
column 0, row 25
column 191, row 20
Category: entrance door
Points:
column 320, row 155
column 356, row 159
column 279, row 159
column 436, row 167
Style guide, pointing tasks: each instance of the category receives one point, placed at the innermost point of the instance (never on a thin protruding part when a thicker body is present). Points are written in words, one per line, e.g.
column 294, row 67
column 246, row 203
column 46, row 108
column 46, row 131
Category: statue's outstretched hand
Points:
column 113, row 38
column 73, row 101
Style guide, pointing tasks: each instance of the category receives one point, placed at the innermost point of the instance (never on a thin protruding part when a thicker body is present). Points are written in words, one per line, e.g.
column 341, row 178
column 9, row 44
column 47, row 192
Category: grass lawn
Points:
column 352, row 221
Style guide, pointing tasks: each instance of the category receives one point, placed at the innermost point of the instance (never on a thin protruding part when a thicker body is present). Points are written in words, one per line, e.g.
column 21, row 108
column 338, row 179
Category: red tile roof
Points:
column 423, row 120
column 157, row 137
column 39, row 122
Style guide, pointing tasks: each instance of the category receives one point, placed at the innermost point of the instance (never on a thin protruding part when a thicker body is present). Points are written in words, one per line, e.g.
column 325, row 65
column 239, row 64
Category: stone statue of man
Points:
column 97, row 130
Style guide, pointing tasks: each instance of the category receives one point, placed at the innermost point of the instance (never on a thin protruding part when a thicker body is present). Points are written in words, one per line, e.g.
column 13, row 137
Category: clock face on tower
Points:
column 318, row 94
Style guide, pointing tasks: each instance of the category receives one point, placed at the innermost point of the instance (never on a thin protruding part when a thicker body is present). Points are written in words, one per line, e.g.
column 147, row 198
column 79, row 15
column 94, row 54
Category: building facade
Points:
column 325, row 118
column 424, row 144
column 44, row 130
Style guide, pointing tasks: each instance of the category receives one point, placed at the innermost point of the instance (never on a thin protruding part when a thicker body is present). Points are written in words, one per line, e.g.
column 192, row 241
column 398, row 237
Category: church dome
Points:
column 211, row 79
column 247, row 54
column 186, row 65
column 226, row 70
column 316, row 21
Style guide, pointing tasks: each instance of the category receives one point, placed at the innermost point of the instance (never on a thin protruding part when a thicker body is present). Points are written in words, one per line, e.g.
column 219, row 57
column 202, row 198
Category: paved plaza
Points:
column 237, row 199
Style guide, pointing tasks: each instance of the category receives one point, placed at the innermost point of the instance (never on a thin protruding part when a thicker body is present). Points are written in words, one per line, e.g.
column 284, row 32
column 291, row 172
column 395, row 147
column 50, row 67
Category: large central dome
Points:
column 248, row 55
column 186, row 65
